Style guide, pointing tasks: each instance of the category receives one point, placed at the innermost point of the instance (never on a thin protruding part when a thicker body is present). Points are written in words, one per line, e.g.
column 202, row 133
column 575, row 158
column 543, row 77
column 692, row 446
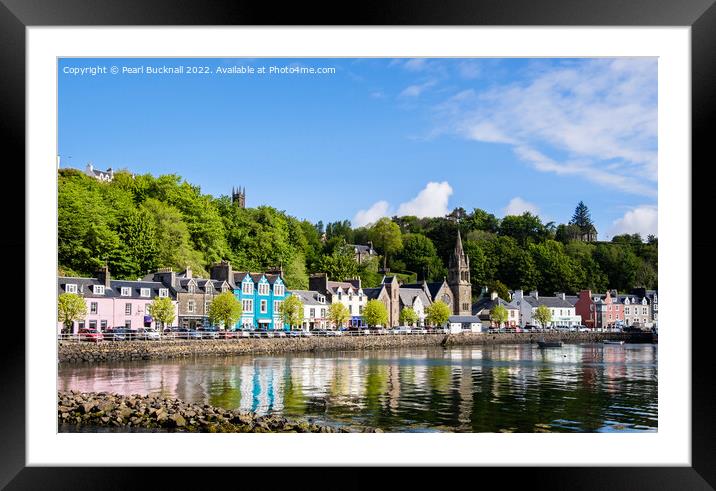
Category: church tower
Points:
column 459, row 280
column 238, row 196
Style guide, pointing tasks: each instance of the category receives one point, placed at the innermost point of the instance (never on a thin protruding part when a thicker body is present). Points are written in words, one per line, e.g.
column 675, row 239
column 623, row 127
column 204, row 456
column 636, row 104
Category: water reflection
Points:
column 508, row 388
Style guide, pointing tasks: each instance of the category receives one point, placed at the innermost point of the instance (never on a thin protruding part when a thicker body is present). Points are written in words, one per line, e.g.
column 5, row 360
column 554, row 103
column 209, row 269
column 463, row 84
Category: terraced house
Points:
column 261, row 296
column 194, row 295
column 114, row 303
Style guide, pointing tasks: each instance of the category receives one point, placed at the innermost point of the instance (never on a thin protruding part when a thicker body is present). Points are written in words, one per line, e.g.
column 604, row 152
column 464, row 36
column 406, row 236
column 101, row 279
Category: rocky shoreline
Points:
column 76, row 410
column 86, row 352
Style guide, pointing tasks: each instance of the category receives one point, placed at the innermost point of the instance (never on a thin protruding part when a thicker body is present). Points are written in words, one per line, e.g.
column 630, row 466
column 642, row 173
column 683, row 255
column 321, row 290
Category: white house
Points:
column 464, row 323
column 315, row 309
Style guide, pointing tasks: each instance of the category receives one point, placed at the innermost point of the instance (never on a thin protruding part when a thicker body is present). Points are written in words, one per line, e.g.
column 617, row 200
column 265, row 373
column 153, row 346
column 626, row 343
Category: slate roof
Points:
column 572, row 299
column 308, row 297
column 407, row 296
column 84, row 288
column 362, row 248
column 372, row 293
column 433, row 287
column 551, row 302
column 256, row 277
column 488, row 304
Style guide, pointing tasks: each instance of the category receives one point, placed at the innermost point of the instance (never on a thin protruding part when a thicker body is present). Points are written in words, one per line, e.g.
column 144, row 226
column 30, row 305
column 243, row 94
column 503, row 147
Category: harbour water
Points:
column 494, row 388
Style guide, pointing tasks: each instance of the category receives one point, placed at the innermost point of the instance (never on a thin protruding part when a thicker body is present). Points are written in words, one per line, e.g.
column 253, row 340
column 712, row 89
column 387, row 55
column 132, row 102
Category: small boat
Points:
column 549, row 344
column 611, row 341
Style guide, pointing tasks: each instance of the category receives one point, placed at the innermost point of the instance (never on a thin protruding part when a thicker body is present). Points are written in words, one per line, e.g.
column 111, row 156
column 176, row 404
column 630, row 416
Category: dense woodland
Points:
column 139, row 223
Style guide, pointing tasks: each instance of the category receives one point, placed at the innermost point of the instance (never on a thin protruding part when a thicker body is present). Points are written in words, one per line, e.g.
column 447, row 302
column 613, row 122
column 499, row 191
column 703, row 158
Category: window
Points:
column 93, row 307
column 103, row 325
column 312, row 313
column 127, row 309
column 191, row 288
column 626, row 310
column 247, row 288
column 339, row 295
column 209, row 288
column 207, row 304
column 190, row 306
column 144, row 292
column 263, row 288
column 323, row 312
column 360, row 310
column 264, row 306
column 643, row 311
column 81, row 324
column 276, row 306
column 247, row 305
column 350, row 309
column 128, row 324
column 93, row 325
column 278, row 290
column 163, row 292
column 98, row 290
column 126, row 291
column 71, row 288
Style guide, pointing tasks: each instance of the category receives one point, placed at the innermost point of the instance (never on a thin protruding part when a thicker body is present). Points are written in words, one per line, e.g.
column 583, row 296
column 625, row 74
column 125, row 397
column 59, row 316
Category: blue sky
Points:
column 381, row 136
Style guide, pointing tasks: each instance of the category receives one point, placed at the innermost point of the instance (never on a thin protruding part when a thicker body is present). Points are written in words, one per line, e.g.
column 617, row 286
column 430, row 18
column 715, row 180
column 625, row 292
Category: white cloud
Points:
column 372, row 214
column 517, row 206
column 596, row 119
column 432, row 201
column 641, row 220
column 416, row 90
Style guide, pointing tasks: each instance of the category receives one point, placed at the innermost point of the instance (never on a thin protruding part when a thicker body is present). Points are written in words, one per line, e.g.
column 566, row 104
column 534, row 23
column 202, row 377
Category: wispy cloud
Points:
column 596, row 119
column 431, row 201
column 416, row 89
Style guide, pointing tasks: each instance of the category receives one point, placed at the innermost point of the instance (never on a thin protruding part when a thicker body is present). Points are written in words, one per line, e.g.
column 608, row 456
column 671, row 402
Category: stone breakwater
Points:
column 87, row 352
column 102, row 409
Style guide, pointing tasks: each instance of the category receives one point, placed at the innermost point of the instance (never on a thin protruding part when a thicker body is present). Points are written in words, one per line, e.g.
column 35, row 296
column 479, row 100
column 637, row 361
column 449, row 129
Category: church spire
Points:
column 458, row 245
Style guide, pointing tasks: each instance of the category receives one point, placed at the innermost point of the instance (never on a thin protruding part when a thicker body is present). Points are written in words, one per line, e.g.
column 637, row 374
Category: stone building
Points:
column 194, row 295
column 459, row 280
column 417, row 299
column 483, row 309
column 238, row 197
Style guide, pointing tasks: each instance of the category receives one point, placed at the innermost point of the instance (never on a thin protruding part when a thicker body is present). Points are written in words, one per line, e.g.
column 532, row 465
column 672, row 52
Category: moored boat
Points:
column 612, row 341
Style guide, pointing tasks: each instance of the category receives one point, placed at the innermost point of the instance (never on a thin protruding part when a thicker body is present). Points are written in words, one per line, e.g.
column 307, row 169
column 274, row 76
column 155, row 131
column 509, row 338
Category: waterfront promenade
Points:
column 88, row 352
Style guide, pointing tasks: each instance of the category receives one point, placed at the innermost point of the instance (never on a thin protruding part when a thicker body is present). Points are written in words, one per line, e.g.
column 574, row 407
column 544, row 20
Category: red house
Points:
column 599, row 311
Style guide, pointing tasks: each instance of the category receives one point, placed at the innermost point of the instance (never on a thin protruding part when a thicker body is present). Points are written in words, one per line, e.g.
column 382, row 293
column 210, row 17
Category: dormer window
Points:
column 163, row 292
column 191, row 288
column 71, row 288
column 144, row 292
column 126, row 291
column 263, row 288
column 278, row 289
column 209, row 288
column 98, row 290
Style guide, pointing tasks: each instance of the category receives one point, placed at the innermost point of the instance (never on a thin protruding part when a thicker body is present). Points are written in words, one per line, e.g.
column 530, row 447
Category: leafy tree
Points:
column 408, row 317
column 524, row 228
column 499, row 314
column 386, row 237
column 338, row 314
column 70, row 308
column 500, row 288
column 138, row 233
column 542, row 315
column 420, row 256
column 375, row 313
column 567, row 233
column 340, row 264
column 437, row 314
column 291, row 311
column 340, row 229
column 162, row 310
column 557, row 271
column 225, row 309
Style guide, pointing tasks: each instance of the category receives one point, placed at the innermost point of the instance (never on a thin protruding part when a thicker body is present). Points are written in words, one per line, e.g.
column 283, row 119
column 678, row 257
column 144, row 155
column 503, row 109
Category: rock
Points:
column 178, row 420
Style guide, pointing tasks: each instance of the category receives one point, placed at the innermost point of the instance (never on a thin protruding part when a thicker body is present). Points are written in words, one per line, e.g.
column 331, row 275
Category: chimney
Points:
column 222, row 271
column 534, row 293
column 560, row 295
column 103, row 275
column 166, row 276
column 493, row 295
column 318, row 282
column 517, row 295
column 187, row 273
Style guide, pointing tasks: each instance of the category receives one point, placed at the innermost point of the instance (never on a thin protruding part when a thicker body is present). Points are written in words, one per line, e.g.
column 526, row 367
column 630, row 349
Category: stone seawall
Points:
column 88, row 352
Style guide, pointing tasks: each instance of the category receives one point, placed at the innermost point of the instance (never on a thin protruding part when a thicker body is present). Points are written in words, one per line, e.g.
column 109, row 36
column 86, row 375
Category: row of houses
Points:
column 640, row 308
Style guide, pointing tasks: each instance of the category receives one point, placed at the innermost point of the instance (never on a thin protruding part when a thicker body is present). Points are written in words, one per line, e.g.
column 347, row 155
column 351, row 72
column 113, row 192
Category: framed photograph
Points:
column 429, row 238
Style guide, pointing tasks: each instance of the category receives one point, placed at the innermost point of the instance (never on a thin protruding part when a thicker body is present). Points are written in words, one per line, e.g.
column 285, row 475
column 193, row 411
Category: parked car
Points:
column 91, row 335
column 208, row 332
column 147, row 334
column 118, row 334
column 420, row 330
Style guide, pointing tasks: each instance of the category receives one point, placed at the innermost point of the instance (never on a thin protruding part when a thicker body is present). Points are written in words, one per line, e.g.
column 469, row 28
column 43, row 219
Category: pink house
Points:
column 115, row 303
column 599, row 311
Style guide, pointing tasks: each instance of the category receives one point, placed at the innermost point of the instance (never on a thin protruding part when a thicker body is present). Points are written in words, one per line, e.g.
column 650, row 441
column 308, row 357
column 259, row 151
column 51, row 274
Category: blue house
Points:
column 261, row 296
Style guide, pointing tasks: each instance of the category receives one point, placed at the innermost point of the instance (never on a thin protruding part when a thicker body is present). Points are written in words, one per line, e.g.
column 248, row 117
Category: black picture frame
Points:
column 16, row 15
